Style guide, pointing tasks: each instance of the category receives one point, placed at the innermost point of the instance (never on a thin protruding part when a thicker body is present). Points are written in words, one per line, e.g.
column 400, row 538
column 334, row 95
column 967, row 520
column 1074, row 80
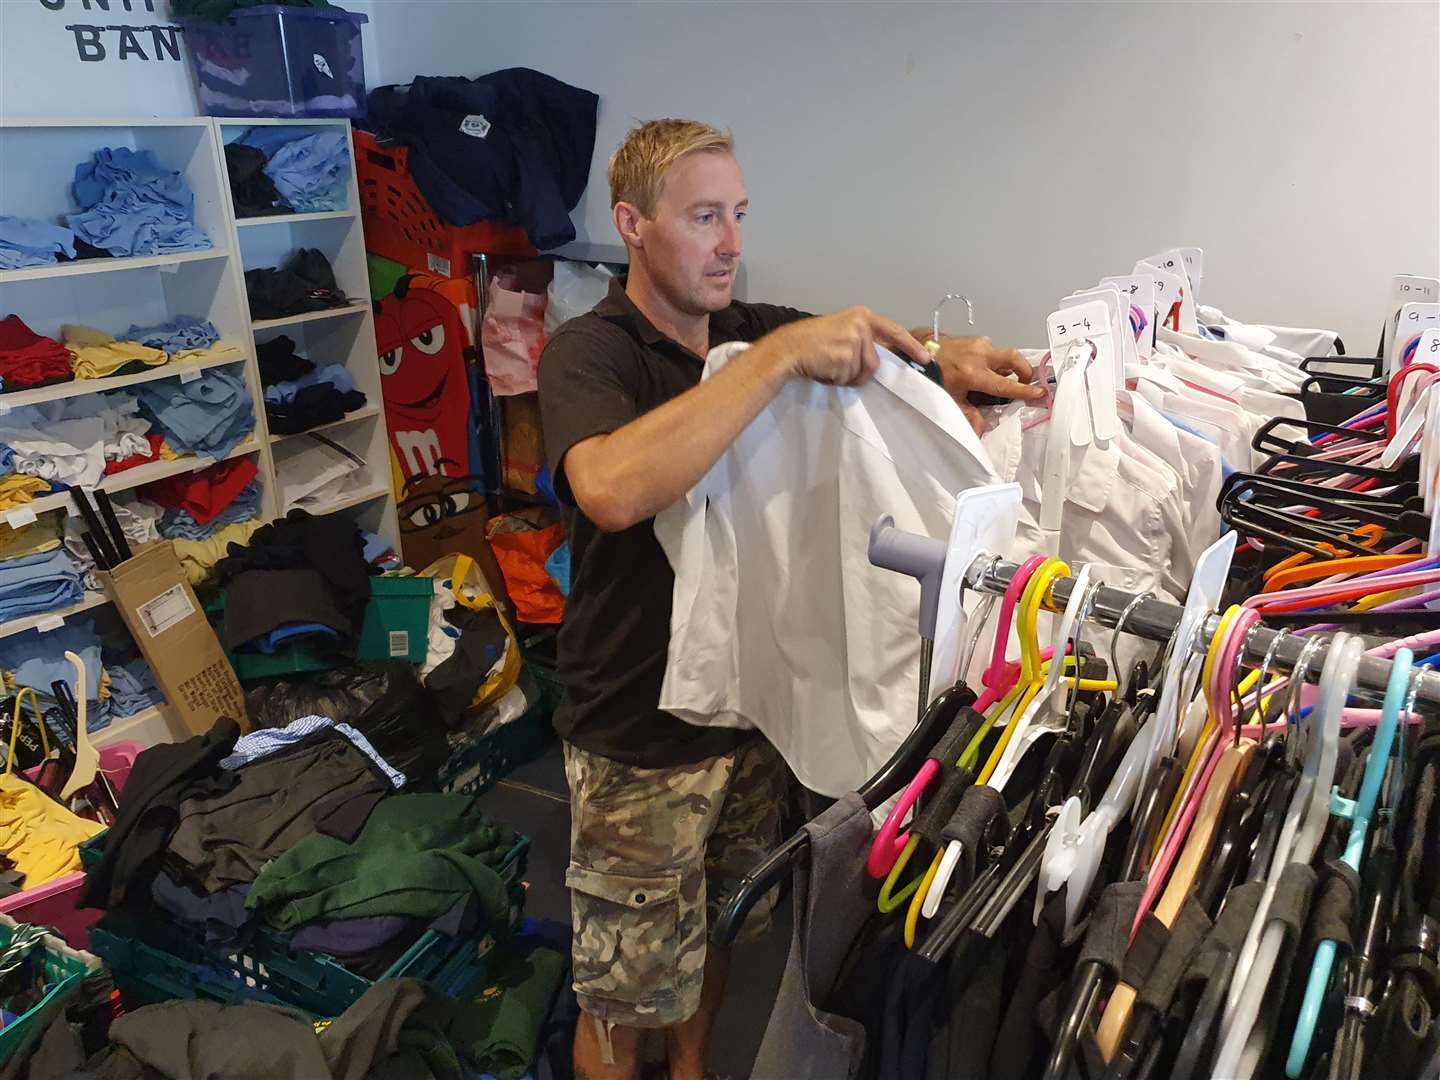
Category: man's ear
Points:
column 627, row 223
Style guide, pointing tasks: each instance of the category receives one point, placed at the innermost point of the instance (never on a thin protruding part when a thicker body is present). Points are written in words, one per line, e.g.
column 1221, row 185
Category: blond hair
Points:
column 649, row 151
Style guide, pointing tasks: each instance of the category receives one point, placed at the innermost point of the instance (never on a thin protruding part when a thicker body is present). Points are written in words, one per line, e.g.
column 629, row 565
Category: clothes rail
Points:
column 1157, row 619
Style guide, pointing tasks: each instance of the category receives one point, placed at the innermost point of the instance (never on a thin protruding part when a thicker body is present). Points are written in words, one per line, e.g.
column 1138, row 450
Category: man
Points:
column 666, row 817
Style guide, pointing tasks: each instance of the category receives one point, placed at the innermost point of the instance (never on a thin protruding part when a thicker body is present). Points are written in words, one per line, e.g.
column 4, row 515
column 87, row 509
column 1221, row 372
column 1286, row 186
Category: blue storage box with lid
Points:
column 277, row 60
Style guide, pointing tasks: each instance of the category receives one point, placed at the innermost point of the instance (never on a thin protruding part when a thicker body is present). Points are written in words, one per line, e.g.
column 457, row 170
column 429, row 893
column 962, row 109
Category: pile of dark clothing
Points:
column 279, row 170
column 305, row 283
column 299, row 577
column 385, row 701
column 28, row 360
column 319, row 398
column 305, row 834
column 297, row 396
column 400, row 1029
column 510, row 146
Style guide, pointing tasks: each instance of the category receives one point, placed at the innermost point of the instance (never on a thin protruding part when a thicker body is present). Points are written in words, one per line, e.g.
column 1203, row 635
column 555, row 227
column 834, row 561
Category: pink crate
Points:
column 56, row 902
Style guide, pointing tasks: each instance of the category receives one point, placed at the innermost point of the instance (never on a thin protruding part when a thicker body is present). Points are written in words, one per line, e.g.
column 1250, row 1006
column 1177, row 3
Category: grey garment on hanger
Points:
column 831, row 902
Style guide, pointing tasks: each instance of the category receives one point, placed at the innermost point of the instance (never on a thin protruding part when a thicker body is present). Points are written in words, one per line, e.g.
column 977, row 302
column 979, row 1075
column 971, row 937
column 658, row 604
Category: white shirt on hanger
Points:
column 780, row 622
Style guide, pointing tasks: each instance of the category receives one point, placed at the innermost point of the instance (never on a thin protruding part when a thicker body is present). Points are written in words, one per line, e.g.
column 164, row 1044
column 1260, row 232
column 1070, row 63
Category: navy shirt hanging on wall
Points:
column 512, row 146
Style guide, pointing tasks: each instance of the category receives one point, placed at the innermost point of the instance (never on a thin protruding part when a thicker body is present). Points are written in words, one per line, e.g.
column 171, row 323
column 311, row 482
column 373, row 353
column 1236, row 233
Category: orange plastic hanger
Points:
column 1355, row 564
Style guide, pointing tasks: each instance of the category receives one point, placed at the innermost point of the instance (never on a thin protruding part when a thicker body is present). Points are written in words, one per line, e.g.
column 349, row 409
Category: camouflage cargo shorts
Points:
column 653, row 853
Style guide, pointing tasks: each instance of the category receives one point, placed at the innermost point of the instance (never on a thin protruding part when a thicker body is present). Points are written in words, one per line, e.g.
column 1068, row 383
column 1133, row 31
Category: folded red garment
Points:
column 15, row 335
column 155, row 440
column 28, row 360
column 204, row 494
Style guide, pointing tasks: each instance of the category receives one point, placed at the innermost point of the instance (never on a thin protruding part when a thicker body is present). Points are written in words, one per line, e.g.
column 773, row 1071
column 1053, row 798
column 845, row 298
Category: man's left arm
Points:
column 968, row 364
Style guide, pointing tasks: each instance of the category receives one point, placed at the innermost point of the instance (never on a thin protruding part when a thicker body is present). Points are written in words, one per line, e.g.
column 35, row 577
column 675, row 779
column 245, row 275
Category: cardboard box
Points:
column 177, row 641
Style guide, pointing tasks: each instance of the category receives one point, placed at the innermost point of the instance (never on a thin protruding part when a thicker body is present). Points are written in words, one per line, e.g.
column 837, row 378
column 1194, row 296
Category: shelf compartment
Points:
column 91, row 601
column 259, row 325
column 84, row 267
column 293, row 219
column 366, row 413
column 81, row 387
column 141, row 475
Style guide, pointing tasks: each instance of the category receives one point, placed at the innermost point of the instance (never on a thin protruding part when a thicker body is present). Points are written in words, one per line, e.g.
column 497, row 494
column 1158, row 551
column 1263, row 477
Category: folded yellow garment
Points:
column 17, row 489
column 43, row 535
column 193, row 356
column 198, row 557
column 98, row 354
column 40, row 836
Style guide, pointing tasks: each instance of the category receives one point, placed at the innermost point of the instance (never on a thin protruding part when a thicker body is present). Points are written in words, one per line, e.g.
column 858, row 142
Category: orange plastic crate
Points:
column 400, row 225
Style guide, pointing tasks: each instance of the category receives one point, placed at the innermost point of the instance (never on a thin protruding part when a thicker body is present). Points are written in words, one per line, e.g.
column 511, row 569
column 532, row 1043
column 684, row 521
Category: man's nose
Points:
column 729, row 245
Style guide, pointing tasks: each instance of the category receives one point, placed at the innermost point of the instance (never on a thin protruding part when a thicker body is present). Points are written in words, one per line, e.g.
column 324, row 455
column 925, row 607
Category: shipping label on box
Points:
column 171, row 631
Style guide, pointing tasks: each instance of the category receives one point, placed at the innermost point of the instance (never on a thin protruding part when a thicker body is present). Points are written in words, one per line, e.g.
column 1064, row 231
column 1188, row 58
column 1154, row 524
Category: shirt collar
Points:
column 618, row 308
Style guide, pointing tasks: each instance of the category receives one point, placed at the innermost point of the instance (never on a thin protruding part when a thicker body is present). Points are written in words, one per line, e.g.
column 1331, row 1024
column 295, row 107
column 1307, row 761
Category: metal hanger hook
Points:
column 935, row 318
column 1297, row 682
column 1235, row 694
column 1264, row 674
column 1120, row 626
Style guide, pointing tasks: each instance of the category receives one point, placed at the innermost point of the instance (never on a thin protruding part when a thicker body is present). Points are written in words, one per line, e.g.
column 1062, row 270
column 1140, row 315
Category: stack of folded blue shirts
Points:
column 34, row 584
column 310, row 170
column 181, row 524
column 132, row 687
column 130, row 204
column 28, row 242
column 209, row 416
column 38, row 661
column 182, row 335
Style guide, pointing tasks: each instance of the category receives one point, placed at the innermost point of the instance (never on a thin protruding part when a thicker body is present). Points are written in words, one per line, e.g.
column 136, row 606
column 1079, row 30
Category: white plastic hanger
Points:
column 1305, row 821
column 87, row 758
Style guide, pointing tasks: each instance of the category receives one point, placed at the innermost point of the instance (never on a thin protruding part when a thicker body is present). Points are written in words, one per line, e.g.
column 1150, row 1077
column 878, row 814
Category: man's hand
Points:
column 974, row 364
column 839, row 349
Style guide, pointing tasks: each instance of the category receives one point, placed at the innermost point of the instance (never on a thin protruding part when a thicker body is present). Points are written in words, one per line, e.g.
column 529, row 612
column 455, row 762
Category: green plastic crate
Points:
column 396, row 627
column 65, row 969
column 397, row 619
column 155, row 961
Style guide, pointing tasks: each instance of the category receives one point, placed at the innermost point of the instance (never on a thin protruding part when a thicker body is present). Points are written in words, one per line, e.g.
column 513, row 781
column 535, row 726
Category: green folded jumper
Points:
column 417, row 855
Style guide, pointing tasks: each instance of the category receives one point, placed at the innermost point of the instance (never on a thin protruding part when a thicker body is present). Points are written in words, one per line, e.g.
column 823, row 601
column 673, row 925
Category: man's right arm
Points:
column 621, row 478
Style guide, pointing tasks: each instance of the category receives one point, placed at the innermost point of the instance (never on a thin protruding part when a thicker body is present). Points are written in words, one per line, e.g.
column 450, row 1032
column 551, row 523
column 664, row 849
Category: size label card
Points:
column 1082, row 337
column 1119, row 325
column 51, row 622
column 1428, row 350
column 1141, row 290
column 189, row 375
column 1414, row 320
column 18, row 519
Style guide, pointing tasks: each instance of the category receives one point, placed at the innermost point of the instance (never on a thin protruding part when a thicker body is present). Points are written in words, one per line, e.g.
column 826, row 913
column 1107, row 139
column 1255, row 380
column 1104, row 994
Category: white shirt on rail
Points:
column 780, row 622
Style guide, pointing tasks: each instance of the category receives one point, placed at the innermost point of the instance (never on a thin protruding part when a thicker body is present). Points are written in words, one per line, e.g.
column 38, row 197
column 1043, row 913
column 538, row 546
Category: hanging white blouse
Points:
column 780, row 621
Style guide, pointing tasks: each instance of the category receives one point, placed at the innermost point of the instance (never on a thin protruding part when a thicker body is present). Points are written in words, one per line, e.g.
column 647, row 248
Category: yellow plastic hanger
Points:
column 1212, row 720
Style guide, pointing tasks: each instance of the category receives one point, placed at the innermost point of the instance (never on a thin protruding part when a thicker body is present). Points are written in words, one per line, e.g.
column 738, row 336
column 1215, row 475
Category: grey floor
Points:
column 533, row 799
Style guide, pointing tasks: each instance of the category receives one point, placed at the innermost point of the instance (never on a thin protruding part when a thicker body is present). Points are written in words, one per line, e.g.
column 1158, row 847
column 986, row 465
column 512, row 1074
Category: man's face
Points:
column 691, row 246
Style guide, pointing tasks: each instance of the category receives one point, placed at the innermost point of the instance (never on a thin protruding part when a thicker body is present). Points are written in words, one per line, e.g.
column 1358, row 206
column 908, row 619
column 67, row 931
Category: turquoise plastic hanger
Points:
column 1359, row 812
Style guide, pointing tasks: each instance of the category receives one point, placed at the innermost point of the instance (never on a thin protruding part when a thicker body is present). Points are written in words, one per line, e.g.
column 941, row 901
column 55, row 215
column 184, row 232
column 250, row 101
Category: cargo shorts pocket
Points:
column 626, row 929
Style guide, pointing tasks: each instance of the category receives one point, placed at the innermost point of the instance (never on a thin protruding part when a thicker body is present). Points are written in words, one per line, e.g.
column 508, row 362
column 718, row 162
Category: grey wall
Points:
column 1015, row 152
column 898, row 151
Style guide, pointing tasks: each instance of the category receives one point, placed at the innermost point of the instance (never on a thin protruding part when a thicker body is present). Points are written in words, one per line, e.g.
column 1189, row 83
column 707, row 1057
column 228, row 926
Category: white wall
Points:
column 49, row 70
column 895, row 152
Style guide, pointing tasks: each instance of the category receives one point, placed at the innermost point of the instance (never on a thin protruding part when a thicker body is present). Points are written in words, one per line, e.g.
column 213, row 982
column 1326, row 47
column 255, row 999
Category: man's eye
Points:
column 705, row 219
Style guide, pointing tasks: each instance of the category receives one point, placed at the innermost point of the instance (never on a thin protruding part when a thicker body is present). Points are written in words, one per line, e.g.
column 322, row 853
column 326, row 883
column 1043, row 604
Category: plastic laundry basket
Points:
column 274, row 60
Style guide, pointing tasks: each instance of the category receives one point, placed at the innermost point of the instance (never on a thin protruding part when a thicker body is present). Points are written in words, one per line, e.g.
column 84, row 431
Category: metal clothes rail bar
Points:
column 1157, row 620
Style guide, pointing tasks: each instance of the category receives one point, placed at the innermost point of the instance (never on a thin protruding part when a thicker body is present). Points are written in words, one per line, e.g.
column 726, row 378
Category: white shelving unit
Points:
column 336, row 335
column 37, row 163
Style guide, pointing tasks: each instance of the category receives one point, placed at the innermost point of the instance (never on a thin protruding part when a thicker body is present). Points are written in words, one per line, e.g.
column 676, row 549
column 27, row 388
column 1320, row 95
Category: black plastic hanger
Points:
column 892, row 777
